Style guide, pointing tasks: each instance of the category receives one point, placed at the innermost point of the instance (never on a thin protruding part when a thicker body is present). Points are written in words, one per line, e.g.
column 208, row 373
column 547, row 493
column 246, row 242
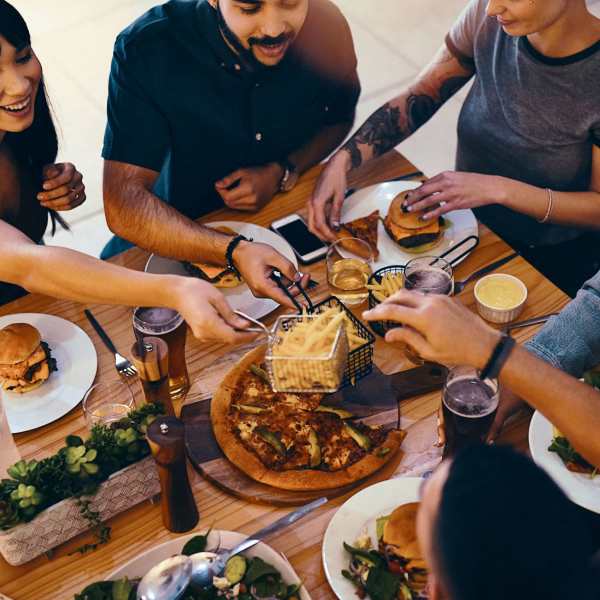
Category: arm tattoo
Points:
column 382, row 131
column 389, row 125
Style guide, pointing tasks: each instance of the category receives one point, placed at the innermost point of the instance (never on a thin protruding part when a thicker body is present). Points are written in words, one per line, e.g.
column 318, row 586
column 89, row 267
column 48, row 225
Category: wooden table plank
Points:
column 141, row 528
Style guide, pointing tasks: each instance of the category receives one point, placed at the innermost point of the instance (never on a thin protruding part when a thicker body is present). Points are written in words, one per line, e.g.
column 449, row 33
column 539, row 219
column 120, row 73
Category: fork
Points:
column 459, row 286
column 122, row 364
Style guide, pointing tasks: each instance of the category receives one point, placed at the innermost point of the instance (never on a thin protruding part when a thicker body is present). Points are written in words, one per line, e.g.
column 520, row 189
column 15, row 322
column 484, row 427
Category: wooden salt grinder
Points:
column 153, row 369
column 166, row 438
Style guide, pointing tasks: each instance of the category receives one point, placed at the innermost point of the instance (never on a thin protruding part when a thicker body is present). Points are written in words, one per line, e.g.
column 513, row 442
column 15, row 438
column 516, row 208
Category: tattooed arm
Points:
column 384, row 129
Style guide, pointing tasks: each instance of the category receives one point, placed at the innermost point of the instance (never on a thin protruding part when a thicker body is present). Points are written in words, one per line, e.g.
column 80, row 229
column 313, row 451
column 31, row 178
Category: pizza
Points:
column 364, row 229
column 293, row 441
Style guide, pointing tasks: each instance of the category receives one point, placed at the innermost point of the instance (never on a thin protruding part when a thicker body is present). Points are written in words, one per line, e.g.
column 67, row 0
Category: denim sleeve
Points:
column 571, row 341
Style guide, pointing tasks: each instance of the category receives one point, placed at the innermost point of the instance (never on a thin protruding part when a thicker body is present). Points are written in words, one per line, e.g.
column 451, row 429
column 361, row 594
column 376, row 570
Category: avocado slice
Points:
column 271, row 439
column 340, row 412
column 360, row 438
column 314, row 448
column 252, row 410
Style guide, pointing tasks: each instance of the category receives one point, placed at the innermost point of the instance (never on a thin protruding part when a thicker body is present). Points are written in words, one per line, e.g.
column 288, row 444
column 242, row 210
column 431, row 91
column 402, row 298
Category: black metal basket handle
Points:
column 276, row 277
column 470, row 249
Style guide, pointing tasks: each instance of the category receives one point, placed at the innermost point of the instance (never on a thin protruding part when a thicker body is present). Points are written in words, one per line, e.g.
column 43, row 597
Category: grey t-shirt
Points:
column 527, row 117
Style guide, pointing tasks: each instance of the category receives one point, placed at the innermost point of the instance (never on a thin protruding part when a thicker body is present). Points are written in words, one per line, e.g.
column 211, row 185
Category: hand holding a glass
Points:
column 439, row 328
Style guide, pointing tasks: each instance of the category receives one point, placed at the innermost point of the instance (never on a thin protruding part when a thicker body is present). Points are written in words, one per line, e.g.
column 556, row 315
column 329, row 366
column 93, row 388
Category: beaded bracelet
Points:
column 233, row 244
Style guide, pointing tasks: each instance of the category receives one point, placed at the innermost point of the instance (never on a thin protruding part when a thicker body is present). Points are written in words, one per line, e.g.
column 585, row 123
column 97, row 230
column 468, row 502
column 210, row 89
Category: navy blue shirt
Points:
column 180, row 103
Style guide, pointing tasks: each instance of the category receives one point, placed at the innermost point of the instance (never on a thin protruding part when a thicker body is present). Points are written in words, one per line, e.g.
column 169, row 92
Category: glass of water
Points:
column 106, row 403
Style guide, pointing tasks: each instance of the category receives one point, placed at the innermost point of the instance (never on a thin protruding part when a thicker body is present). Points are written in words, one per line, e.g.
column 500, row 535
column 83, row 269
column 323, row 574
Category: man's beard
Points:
column 246, row 55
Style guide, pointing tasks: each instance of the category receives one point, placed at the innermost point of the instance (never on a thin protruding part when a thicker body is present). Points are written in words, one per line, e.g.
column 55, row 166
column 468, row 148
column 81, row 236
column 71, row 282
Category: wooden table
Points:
column 141, row 528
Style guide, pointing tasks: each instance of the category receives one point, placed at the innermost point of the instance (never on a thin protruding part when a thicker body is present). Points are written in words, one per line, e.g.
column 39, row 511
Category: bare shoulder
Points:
column 10, row 188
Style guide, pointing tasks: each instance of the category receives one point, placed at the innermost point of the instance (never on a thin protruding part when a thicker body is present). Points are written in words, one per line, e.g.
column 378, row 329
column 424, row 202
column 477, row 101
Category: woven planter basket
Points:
column 63, row 521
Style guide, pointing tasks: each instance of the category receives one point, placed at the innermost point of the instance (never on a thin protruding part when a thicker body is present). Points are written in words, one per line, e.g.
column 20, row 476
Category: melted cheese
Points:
column 400, row 233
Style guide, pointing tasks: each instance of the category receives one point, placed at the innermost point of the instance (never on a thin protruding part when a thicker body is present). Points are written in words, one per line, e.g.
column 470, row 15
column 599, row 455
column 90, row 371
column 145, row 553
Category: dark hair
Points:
column 505, row 530
column 38, row 145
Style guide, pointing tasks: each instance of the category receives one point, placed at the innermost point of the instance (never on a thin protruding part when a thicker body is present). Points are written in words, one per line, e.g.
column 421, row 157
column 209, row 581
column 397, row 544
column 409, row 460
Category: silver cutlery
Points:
column 123, row 365
column 527, row 323
column 171, row 577
column 459, row 286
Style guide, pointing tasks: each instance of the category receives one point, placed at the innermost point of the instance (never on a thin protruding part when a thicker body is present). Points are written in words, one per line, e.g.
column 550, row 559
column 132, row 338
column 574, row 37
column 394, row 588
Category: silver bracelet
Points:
column 550, row 206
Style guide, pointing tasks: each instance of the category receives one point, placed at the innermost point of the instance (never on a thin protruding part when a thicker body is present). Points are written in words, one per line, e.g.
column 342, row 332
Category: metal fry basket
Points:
column 382, row 327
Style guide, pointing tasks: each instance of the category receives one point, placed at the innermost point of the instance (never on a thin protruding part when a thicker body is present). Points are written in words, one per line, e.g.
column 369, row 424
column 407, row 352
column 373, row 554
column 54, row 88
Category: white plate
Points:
column 379, row 197
column 353, row 517
column 139, row 566
column 77, row 362
column 580, row 488
column 240, row 297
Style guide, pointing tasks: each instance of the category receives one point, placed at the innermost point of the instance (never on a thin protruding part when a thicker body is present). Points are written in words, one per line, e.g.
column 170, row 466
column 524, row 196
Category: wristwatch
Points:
column 290, row 175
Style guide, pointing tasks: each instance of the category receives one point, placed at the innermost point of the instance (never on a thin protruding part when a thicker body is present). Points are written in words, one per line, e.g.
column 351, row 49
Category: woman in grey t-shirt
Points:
column 528, row 158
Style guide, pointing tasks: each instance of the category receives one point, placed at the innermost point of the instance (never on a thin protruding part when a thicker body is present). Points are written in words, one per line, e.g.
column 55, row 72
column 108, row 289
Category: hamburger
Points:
column 220, row 277
column 401, row 543
column 408, row 229
column 25, row 360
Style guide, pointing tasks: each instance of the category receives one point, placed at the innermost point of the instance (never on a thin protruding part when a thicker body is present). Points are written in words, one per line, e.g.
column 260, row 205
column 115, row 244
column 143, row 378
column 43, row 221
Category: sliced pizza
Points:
column 293, row 441
column 364, row 229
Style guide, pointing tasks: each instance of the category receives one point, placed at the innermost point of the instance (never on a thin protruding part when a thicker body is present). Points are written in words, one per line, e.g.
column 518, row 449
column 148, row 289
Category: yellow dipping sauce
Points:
column 500, row 292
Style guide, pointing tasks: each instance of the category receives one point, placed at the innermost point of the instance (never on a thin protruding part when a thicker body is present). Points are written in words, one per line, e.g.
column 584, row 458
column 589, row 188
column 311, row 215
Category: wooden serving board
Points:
column 375, row 400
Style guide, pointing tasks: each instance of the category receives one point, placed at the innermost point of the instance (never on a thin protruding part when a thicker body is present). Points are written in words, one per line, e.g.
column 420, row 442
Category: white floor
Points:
column 74, row 38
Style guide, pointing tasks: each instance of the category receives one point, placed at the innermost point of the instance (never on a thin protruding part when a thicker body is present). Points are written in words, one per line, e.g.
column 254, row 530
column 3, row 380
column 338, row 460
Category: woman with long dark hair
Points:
column 32, row 187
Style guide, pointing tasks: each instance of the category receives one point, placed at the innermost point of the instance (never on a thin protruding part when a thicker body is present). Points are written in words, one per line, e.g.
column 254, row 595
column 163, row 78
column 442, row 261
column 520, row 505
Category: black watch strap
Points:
column 499, row 356
column 233, row 244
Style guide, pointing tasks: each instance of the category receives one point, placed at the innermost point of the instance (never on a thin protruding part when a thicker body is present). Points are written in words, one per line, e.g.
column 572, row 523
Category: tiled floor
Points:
column 74, row 38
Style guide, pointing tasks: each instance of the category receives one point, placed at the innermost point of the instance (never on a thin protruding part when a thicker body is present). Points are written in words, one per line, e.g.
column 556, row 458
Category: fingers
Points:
column 497, row 425
column 66, row 172
column 335, row 215
column 320, row 225
column 409, row 336
column 230, row 179
column 443, row 208
column 394, row 312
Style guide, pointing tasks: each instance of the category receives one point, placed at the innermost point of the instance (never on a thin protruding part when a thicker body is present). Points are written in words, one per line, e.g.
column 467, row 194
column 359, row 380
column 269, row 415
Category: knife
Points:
column 534, row 321
column 278, row 525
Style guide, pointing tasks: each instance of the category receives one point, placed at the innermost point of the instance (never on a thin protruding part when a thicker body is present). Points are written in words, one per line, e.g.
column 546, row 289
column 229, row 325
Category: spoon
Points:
column 167, row 580
column 207, row 565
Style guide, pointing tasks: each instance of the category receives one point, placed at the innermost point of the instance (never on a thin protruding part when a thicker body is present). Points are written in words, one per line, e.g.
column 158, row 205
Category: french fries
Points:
column 311, row 354
column 390, row 284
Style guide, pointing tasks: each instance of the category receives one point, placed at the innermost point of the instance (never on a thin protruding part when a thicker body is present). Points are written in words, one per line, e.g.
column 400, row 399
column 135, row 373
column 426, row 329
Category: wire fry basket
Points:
column 298, row 373
column 382, row 327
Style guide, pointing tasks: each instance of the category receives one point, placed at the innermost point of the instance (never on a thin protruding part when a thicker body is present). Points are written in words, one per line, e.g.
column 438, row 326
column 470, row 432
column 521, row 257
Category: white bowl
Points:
column 500, row 315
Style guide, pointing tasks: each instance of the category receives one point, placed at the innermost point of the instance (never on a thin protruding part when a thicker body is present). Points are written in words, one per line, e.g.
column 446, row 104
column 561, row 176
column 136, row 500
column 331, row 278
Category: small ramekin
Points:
column 500, row 315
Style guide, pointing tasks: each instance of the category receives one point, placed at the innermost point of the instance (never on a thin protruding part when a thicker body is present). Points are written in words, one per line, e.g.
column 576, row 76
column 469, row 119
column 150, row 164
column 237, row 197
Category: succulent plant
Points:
column 146, row 422
column 27, row 498
column 124, row 437
column 22, row 470
column 80, row 460
column 9, row 516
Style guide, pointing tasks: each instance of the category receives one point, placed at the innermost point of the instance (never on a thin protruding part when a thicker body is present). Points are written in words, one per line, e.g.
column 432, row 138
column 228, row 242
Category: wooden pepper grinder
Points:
column 166, row 438
column 151, row 359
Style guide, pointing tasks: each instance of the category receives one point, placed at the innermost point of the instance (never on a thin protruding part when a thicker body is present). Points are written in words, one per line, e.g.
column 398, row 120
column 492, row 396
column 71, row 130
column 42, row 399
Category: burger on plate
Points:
column 400, row 542
column 220, row 277
column 409, row 231
column 25, row 360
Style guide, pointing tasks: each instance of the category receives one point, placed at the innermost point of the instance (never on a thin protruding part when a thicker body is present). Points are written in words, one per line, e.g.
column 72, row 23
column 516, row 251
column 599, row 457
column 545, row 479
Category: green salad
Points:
column 243, row 579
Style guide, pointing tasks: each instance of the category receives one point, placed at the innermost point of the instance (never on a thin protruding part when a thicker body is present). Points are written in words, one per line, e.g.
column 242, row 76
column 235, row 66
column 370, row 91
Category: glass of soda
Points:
column 168, row 325
column 427, row 275
column 469, row 406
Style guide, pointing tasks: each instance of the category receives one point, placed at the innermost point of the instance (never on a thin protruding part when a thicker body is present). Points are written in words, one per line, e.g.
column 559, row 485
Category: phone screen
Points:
column 301, row 239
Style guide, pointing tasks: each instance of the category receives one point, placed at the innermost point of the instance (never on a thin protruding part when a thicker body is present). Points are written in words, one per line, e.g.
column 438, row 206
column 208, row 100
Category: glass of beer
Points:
column 428, row 275
column 106, row 403
column 469, row 406
column 349, row 263
column 168, row 325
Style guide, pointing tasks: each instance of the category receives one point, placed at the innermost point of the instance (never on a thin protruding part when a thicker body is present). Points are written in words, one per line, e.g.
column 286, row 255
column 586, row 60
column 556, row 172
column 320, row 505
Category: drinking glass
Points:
column 168, row 325
column 106, row 403
column 469, row 406
column 427, row 275
column 348, row 273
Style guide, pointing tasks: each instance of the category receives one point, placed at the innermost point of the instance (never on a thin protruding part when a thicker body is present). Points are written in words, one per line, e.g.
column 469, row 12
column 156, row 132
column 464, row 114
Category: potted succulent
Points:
column 46, row 503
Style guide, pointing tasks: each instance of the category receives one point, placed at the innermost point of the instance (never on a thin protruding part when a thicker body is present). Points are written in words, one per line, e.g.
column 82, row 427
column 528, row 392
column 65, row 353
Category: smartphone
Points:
column 307, row 246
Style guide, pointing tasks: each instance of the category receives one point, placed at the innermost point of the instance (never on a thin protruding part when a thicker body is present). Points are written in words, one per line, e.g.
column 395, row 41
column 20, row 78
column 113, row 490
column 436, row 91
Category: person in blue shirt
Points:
column 220, row 103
